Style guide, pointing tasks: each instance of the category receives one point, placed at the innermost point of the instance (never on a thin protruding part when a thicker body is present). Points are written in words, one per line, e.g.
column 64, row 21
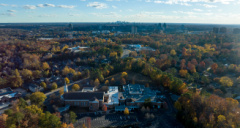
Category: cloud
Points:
column 29, row 7
column 66, row 6
column 198, row 10
column 186, row 2
column 109, row 15
column 97, row 5
column 74, row 14
column 47, row 15
column 82, row 0
column 180, row 2
column 49, row 5
column 11, row 10
column 114, row 6
column 40, row 5
column 8, row 14
column 208, row 5
column 3, row 4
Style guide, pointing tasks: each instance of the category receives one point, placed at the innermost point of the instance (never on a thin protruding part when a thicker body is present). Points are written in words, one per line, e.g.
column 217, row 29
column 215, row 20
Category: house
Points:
column 8, row 95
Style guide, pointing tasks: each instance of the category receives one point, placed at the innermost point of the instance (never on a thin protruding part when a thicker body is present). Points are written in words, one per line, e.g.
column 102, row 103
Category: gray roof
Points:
column 5, row 91
column 83, row 95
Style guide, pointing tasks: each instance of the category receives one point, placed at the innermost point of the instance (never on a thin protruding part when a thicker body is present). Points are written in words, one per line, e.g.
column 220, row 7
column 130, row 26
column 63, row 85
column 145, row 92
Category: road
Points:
column 69, row 87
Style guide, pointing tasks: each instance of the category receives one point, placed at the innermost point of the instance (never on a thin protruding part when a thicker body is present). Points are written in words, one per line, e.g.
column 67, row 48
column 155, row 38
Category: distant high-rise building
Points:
column 223, row 30
column 215, row 30
column 236, row 30
column 70, row 26
column 164, row 25
column 134, row 30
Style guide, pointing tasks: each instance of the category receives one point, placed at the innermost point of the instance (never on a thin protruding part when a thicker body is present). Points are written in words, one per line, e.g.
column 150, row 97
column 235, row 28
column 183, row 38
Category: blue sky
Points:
column 157, row 11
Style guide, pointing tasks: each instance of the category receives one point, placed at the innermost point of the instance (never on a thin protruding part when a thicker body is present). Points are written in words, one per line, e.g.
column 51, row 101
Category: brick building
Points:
column 92, row 100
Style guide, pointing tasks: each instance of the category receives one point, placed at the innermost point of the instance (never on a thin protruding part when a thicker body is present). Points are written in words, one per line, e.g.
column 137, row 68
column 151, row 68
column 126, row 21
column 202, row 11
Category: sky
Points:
column 155, row 11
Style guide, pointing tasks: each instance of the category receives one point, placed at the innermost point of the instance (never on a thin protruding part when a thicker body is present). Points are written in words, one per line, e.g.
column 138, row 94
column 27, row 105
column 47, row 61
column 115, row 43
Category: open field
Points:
column 132, row 76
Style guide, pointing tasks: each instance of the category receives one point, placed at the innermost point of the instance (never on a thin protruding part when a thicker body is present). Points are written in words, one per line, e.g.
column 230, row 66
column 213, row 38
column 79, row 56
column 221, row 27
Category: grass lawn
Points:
column 137, row 77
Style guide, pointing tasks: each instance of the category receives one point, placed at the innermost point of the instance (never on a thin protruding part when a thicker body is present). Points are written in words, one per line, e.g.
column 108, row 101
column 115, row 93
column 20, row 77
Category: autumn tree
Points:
column 45, row 66
column 67, row 80
column 48, row 120
column 126, row 111
column 16, row 80
column 43, row 84
column 54, row 86
column 27, row 74
column 65, row 71
column 152, row 60
column 182, row 64
column 37, row 98
column 123, row 81
column 183, row 72
column 72, row 116
column 75, row 87
column 61, row 92
column 173, row 52
column 124, row 75
column 96, row 82
column 112, row 81
column 106, row 83
column 214, row 67
column 226, row 81
column 104, row 108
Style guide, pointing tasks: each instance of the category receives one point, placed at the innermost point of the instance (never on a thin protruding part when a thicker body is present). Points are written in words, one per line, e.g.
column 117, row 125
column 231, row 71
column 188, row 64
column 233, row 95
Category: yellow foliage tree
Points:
column 126, row 111
column 183, row 73
column 67, row 80
column 45, row 66
column 173, row 52
column 226, row 81
column 124, row 74
column 75, row 87
column 152, row 60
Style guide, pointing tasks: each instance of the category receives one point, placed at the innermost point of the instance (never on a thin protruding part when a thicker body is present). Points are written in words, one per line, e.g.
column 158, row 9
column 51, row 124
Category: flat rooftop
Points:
column 130, row 92
column 113, row 95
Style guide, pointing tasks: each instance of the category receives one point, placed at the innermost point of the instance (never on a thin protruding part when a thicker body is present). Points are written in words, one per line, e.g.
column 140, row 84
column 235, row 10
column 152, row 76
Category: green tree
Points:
column 196, row 76
column 43, row 84
column 48, row 120
column 205, row 80
column 15, row 79
column 22, row 103
column 34, row 109
column 37, row 98
column 75, row 87
column 54, row 86
column 72, row 116
column 27, row 74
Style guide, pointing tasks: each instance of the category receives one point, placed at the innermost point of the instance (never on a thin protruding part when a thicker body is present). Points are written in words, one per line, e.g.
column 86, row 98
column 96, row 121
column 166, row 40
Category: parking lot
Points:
column 108, row 120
